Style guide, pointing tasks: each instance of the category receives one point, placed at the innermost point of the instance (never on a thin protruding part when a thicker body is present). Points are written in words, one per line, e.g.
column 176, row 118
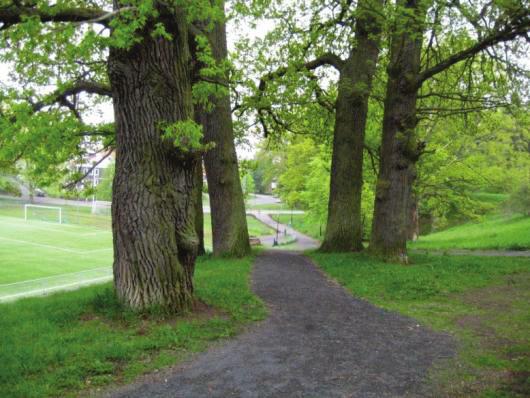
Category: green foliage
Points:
column 186, row 135
column 519, row 200
column 315, row 195
column 7, row 186
column 85, row 339
column 40, row 127
column 292, row 182
column 486, row 152
column 247, row 184
column 265, row 167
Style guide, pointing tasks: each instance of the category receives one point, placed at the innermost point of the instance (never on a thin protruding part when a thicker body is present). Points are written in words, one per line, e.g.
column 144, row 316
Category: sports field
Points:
column 39, row 255
column 36, row 256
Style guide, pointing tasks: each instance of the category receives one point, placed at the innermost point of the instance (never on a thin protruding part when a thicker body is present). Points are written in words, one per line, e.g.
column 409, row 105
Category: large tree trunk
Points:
column 153, row 227
column 400, row 148
column 344, row 224
column 229, row 223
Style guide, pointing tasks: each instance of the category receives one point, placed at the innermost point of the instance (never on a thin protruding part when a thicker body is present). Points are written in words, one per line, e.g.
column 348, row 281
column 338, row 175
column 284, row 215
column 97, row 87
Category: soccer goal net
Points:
column 43, row 213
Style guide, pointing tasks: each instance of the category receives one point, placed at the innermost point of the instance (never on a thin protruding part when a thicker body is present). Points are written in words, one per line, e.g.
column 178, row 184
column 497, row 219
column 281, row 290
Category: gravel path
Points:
column 318, row 341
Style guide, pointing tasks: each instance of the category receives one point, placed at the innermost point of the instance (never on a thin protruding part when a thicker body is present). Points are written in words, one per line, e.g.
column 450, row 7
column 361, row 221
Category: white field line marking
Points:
column 54, row 276
column 54, row 247
column 51, row 289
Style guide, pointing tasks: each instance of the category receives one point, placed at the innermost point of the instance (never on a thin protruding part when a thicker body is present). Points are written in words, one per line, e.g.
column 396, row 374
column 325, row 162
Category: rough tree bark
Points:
column 155, row 243
column 344, row 224
column 229, row 223
column 400, row 148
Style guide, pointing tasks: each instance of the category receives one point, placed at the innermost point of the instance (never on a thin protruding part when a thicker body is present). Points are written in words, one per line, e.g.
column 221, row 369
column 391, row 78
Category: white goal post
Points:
column 59, row 209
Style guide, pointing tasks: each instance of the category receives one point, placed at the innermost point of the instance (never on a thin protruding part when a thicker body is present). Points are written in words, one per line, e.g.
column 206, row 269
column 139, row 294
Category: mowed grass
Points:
column 495, row 232
column 62, row 344
column 33, row 249
column 302, row 223
column 483, row 301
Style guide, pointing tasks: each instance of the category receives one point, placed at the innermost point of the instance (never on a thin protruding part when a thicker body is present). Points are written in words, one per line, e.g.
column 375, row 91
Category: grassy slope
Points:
column 58, row 345
column 444, row 292
column 498, row 232
column 301, row 223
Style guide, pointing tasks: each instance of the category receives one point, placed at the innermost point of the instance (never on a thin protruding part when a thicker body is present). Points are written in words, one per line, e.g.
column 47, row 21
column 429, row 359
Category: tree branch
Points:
column 73, row 183
column 519, row 25
column 15, row 13
column 325, row 59
column 60, row 96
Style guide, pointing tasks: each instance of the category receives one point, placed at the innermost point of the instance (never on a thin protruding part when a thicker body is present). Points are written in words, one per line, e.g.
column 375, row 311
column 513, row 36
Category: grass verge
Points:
column 484, row 302
column 68, row 342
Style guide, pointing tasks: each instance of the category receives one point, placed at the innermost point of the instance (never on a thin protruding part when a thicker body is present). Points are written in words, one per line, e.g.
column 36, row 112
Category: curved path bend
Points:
column 318, row 341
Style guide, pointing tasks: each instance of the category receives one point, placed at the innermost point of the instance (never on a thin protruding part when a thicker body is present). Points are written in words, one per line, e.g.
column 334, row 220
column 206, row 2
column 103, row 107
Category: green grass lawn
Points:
column 59, row 345
column 270, row 206
column 301, row 223
column 495, row 232
column 483, row 301
column 32, row 250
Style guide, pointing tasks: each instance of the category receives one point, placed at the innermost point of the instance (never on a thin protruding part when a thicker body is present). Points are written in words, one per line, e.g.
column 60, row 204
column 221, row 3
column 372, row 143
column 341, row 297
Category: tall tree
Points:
column 401, row 148
column 145, row 46
column 344, row 229
column 229, row 223
column 345, row 36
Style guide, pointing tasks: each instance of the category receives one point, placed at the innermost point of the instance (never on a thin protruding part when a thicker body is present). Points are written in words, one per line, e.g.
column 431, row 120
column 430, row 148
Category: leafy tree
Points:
column 298, row 166
column 311, row 37
column 268, row 163
column 410, row 69
column 229, row 222
column 138, row 54
column 248, row 185
column 481, row 152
